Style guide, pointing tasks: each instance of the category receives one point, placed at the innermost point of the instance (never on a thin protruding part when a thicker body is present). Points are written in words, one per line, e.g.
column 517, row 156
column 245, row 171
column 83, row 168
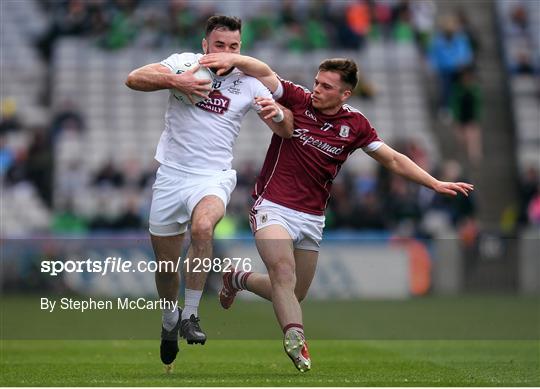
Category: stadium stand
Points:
column 73, row 84
column 21, row 87
column 123, row 125
column 520, row 26
column 520, row 30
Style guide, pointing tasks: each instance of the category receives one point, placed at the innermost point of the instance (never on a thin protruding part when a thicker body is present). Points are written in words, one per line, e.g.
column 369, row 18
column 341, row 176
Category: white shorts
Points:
column 305, row 229
column 176, row 193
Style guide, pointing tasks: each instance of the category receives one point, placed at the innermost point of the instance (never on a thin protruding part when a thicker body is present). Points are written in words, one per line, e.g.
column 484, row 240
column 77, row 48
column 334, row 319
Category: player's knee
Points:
column 283, row 273
column 202, row 229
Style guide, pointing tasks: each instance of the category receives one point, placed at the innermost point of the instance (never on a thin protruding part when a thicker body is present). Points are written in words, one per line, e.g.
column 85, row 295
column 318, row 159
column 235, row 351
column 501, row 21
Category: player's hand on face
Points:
column 453, row 188
column 219, row 62
column 189, row 84
column 269, row 107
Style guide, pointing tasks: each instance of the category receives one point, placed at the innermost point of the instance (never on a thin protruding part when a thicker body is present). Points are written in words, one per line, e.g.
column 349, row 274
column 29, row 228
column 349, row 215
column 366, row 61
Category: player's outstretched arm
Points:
column 155, row 76
column 222, row 62
column 402, row 165
column 278, row 118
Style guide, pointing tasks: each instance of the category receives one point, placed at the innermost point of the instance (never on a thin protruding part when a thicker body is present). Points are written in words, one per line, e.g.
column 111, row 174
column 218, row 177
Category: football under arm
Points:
column 149, row 78
column 402, row 165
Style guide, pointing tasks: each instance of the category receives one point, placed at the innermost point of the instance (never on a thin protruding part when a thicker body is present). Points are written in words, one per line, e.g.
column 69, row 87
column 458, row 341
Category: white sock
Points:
column 295, row 327
column 191, row 303
column 169, row 318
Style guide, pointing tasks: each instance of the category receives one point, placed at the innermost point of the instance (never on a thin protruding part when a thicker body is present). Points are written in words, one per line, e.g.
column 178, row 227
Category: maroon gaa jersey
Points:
column 298, row 172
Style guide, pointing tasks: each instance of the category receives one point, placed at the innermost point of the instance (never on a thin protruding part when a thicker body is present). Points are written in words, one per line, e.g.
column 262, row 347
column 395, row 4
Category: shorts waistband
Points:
column 261, row 201
column 194, row 172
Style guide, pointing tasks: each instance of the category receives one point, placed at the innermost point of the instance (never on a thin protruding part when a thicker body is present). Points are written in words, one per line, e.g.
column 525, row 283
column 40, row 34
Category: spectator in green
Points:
column 67, row 221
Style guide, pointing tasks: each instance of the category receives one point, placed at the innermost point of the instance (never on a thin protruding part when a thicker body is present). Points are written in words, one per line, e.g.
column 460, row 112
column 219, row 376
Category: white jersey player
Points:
column 193, row 139
column 195, row 180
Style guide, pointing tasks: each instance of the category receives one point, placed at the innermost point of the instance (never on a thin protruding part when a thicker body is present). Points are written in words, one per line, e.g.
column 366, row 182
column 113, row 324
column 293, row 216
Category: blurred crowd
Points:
column 359, row 202
column 378, row 201
column 521, row 31
column 382, row 201
column 296, row 26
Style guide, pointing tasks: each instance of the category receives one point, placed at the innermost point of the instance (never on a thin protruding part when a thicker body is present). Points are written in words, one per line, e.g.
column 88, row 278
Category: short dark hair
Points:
column 217, row 22
column 346, row 68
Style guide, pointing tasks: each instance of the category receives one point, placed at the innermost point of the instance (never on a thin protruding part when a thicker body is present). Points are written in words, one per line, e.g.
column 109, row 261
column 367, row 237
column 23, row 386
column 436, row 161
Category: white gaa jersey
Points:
column 201, row 137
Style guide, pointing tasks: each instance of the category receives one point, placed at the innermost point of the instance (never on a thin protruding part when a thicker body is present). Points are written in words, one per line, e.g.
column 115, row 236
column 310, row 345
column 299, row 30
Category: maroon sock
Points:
column 297, row 326
column 239, row 280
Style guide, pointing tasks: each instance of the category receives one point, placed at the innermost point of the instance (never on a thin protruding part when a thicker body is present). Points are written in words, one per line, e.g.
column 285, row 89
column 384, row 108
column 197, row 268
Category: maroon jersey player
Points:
column 311, row 159
column 294, row 185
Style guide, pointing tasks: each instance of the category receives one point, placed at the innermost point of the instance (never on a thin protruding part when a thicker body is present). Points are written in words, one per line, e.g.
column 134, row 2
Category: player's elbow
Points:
column 131, row 80
column 288, row 124
column 287, row 132
column 397, row 163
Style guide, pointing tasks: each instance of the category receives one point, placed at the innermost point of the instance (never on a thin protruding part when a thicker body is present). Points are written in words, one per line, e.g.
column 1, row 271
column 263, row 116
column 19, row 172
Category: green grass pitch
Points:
column 263, row 363
column 433, row 341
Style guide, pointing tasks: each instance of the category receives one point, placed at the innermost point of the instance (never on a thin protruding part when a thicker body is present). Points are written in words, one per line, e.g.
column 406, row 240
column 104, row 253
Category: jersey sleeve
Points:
column 290, row 94
column 368, row 140
column 174, row 60
column 258, row 90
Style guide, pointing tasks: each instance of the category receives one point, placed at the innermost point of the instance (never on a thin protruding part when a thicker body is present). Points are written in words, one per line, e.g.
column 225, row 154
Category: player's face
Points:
column 329, row 92
column 222, row 41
